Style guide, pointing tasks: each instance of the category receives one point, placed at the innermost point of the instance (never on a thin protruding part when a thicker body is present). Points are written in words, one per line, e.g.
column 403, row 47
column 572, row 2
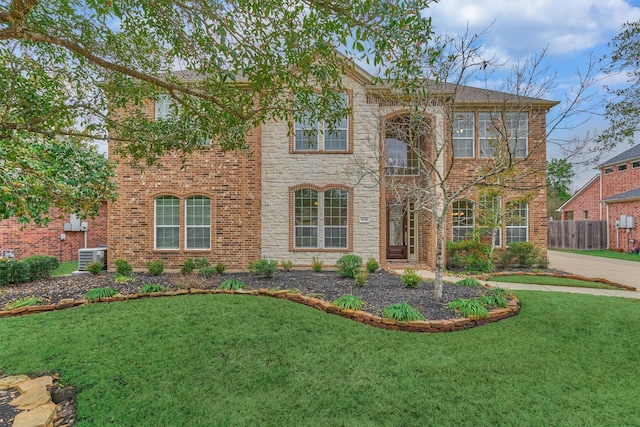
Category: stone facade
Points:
column 45, row 240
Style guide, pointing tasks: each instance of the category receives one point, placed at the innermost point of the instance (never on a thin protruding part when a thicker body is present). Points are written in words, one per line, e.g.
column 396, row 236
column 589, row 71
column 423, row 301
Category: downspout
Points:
column 608, row 245
column 601, row 203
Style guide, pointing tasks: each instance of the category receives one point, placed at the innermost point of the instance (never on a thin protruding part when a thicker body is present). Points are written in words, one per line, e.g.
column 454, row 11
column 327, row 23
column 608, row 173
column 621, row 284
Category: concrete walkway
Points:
column 618, row 271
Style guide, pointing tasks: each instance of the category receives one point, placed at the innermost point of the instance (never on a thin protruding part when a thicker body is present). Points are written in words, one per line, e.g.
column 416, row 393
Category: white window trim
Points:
column 187, row 226
column 525, row 226
column 320, row 226
column 156, row 226
column 464, row 227
column 518, row 132
column 472, row 117
column 320, row 128
column 163, row 105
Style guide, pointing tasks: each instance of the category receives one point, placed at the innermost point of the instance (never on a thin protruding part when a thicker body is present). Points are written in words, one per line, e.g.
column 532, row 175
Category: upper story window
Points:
column 164, row 105
column 608, row 170
column 622, row 168
column 635, row 164
column 463, row 219
column 495, row 128
column 400, row 159
column 318, row 135
column 463, row 135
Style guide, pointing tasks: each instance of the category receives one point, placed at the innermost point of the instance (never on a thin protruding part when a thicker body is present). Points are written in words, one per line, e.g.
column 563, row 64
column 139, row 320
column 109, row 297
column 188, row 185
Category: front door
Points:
column 396, row 232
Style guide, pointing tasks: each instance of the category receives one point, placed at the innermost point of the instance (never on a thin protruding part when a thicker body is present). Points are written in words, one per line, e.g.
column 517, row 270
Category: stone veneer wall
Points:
column 284, row 170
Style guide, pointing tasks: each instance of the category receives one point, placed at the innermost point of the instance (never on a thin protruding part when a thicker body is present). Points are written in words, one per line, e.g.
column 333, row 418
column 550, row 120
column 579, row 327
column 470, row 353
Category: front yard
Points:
column 239, row 360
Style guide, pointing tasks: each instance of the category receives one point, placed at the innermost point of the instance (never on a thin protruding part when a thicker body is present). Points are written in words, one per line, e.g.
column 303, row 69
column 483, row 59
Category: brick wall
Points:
column 619, row 238
column 588, row 200
column 230, row 180
column 34, row 240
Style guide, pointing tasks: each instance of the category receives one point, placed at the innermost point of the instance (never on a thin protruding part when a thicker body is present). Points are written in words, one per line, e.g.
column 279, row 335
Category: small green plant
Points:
column 200, row 263
column 349, row 302
column 525, row 253
column 469, row 282
column 208, row 272
column 188, row 267
column 402, row 312
column 264, row 267
column 349, row 265
column 95, row 267
column 295, row 291
column 151, row 288
column 287, row 265
column 361, row 278
column 497, row 291
column 97, row 293
column 24, row 302
column 220, row 267
column 543, row 261
column 372, row 265
column 155, row 267
column 471, row 308
column 502, row 257
column 492, row 301
column 410, row 278
column 123, row 268
column 232, row 284
column 124, row 279
column 316, row 264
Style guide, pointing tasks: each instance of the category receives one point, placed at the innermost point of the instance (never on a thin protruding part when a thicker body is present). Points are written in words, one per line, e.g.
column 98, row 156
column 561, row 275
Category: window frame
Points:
column 456, row 219
column 188, row 226
column 164, row 226
column 459, row 130
column 322, row 222
column 622, row 167
column 411, row 159
column 320, row 129
column 608, row 170
column 163, row 107
column 635, row 164
column 523, row 221
column 517, row 136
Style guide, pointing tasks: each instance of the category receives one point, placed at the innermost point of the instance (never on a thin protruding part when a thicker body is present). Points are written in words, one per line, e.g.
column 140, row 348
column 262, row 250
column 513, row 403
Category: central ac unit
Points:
column 85, row 256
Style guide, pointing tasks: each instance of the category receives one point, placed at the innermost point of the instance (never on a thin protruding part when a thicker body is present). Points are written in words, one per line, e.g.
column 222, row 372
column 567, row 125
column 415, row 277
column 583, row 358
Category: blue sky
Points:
column 571, row 30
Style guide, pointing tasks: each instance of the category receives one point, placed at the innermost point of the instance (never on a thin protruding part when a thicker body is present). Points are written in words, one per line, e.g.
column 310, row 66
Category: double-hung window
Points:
column 317, row 135
column 167, row 219
column 463, row 220
column 517, row 127
column 496, row 128
column 164, row 105
column 463, row 134
column 321, row 219
column 517, row 220
column 198, row 222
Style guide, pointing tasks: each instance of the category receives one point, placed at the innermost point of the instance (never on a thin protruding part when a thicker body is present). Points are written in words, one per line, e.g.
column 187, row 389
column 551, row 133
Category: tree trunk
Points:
column 440, row 239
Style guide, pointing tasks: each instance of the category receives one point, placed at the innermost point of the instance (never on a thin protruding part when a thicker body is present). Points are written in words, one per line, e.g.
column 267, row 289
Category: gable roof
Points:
column 577, row 193
column 627, row 195
column 631, row 153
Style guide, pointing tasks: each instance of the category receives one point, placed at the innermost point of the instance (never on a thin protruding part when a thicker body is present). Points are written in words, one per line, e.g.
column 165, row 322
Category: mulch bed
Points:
column 383, row 288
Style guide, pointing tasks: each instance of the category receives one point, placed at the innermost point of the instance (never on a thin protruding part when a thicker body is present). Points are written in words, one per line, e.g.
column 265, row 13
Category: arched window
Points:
column 198, row 222
column 462, row 219
column 167, row 222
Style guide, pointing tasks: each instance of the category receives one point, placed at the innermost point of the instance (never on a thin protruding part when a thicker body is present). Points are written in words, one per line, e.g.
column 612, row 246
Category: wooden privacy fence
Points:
column 577, row 234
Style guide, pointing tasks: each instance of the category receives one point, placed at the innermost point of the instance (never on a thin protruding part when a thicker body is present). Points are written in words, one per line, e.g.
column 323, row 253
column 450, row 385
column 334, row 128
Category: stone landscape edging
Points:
column 431, row 326
column 560, row 276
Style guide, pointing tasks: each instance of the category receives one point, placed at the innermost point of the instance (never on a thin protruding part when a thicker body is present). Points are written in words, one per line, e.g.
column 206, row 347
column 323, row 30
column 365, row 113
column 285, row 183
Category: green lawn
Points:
column 606, row 254
column 65, row 268
column 551, row 281
column 230, row 360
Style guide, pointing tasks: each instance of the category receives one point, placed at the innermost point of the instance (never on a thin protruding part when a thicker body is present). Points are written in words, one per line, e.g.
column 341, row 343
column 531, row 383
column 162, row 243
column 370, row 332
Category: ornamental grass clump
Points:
column 361, row 278
column 471, row 308
column 410, row 278
column 24, row 302
column 316, row 264
column 372, row 265
column 95, row 294
column 220, row 267
column 264, row 266
column 402, row 312
column 287, row 265
column 349, row 302
column 349, row 265
column 150, row 288
column 469, row 282
column 493, row 301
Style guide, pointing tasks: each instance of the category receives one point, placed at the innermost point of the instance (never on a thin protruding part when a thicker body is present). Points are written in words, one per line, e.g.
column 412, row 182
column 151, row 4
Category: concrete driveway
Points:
column 615, row 270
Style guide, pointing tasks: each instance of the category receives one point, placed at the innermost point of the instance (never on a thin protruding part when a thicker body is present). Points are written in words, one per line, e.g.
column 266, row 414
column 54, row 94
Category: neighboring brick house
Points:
column 27, row 240
column 611, row 196
column 295, row 199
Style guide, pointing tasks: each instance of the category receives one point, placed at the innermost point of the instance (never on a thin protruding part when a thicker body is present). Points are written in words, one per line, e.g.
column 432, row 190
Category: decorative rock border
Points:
column 560, row 276
column 34, row 403
column 432, row 326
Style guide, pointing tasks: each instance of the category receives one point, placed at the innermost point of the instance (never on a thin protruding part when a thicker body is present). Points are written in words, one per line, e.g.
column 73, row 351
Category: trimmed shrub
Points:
column 525, row 253
column 349, row 302
column 287, row 265
column 316, row 264
column 201, row 263
column 220, row 267
column 123, row 268
column 188, row 267
column 13, row 272
column 402, row 312
column 410, row 278
column 264, row 267
column 372, row 265
column 470, row 254
column 155, row 267
column 41, row 266
column 349, row 265
column 95, row 267
column 208, row 272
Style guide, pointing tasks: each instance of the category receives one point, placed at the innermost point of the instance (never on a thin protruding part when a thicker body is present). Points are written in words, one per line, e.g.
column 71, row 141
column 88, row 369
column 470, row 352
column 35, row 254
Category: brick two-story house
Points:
column 296, row 197
column 613, row 196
